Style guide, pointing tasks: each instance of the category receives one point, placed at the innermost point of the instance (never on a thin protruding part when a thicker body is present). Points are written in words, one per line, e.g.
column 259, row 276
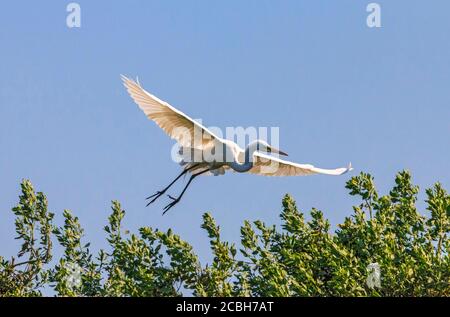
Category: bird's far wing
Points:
column 175, row 123
column 272, row 166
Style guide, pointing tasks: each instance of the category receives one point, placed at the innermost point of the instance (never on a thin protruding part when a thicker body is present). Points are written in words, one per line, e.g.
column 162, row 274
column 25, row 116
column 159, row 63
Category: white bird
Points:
column 229, row 155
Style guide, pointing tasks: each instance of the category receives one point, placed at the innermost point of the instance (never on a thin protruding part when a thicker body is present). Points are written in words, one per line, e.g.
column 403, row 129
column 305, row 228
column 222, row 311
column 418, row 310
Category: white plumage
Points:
column 197, row 141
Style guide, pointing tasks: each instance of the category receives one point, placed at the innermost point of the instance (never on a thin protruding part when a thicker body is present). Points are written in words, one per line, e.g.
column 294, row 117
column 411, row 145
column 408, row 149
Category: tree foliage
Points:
column 387, row 234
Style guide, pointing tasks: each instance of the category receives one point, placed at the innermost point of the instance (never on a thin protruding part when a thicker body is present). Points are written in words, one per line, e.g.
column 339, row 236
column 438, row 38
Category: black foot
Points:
column 171, row 197
column 155, row 197
column 173, row 203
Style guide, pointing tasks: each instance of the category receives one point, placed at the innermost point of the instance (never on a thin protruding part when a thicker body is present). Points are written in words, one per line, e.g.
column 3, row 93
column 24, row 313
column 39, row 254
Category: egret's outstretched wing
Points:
column 272, row 166
column 175, row 123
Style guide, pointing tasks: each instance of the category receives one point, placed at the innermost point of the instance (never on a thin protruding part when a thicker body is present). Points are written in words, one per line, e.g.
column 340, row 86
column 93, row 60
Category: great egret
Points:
column 230, row 156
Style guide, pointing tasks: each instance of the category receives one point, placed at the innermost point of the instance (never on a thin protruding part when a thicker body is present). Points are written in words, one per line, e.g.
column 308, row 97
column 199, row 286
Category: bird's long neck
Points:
column 248, row 162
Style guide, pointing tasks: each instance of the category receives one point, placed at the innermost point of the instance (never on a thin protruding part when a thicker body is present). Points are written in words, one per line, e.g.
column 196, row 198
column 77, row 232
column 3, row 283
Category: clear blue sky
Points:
column 338, row 90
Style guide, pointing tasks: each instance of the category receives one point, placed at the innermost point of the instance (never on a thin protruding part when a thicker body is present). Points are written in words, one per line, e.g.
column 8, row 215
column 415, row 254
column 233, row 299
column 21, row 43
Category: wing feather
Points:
column 272, row 166
column 174, row 122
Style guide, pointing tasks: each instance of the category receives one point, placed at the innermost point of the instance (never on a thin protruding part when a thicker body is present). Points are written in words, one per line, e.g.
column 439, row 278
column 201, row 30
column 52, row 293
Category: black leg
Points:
column 161, row 192
column 177, row 200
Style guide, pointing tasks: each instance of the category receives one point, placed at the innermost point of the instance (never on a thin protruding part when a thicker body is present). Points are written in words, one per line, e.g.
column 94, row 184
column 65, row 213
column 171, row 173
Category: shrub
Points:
column 386, row 248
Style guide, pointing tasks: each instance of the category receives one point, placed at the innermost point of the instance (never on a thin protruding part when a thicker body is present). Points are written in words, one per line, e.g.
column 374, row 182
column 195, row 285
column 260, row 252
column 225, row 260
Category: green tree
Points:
column 386, row 238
